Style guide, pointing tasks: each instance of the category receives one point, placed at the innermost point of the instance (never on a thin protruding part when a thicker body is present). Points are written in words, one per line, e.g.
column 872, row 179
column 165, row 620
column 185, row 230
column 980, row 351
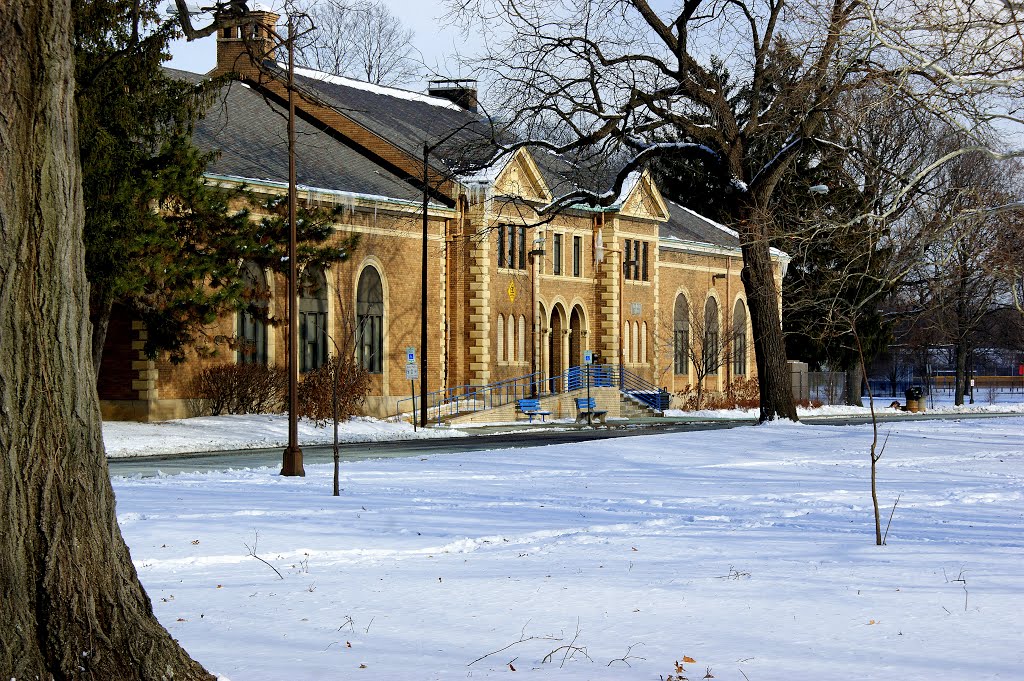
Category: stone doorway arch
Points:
column 556, row 352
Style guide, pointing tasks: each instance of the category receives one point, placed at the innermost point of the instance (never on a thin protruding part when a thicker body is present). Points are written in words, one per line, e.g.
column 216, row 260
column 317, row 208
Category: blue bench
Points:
column 531, row 407
column 586, row 409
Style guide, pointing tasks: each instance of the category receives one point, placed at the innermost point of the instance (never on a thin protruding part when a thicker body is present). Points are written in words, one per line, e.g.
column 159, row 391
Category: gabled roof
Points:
column 405, row 119
column 250, row 134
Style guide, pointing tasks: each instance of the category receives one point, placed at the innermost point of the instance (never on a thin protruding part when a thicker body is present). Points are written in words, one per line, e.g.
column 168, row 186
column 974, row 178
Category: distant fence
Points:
column 827, row 387
column 944, row 384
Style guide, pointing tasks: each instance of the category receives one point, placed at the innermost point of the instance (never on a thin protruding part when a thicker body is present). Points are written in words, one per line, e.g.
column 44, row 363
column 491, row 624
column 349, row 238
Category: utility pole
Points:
column 291, row 462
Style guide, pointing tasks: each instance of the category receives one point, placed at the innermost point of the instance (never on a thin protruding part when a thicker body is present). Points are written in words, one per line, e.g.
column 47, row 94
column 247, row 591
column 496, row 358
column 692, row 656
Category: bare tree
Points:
column 739, row 89
column 710, row 344
column 959, row 271
column 362, row 40
column 73, row 606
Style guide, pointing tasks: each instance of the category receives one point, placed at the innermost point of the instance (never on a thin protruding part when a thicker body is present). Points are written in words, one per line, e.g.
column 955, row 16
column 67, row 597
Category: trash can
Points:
column 915, row 402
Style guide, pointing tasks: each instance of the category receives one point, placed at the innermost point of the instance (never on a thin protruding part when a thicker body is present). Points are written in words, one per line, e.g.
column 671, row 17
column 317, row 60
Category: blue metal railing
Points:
column 643, row 390
column 469, row 398
column 465, row 399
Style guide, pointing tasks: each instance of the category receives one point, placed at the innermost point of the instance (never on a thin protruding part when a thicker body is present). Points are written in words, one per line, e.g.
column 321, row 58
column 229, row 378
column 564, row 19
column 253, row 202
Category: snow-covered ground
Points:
column 222, row 433
column 749, row 550
column 219, row 433
column 1005, row 402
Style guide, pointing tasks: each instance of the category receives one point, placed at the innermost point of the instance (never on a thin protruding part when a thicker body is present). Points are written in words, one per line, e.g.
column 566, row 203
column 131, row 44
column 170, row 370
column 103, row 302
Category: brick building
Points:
column 635, row 283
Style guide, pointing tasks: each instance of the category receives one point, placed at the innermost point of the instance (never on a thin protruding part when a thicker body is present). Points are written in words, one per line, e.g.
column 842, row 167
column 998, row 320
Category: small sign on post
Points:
column 412, row 374
column 588, row 359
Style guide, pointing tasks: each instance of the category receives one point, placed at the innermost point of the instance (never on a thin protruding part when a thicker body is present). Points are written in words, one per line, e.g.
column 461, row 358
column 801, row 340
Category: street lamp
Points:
column 237, row 14
column 291, row 460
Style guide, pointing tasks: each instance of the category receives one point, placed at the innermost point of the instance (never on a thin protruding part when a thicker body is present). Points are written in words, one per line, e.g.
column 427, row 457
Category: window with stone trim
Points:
column 522, row 338
column 739, row 340
column 711, row 347
column 252, row 320
column 577, row 256
column 500, row 336
column 312, row 319
column 512, row 247
column 370, row 321
column 681, row 335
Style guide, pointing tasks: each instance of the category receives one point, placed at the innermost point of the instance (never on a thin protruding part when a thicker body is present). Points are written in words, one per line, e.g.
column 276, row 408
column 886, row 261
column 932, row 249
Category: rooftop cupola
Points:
column 237, row 46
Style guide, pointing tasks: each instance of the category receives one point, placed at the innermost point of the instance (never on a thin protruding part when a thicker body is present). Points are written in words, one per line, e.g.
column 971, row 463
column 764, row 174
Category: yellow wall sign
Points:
column 512, row 291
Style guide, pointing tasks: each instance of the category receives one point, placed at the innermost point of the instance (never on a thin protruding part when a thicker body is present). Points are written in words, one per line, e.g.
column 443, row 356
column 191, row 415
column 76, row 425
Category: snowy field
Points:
column 750, row 551
column 220, row 433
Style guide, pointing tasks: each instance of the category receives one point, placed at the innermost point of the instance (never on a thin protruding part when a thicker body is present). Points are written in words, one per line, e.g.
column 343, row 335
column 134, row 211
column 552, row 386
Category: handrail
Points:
column 469, row 399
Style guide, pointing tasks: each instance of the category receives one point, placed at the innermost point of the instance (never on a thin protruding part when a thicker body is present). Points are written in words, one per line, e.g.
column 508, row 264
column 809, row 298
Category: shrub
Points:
column 742, row 393
column 316, row 394
column 239, row 389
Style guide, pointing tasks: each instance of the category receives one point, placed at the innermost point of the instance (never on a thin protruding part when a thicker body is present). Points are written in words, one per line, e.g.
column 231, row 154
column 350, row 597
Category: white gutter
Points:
column 343, row 197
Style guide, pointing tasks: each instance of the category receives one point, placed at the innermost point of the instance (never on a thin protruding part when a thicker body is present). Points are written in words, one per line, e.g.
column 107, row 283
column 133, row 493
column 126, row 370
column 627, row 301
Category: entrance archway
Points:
column 577, row 326
column 556, row 364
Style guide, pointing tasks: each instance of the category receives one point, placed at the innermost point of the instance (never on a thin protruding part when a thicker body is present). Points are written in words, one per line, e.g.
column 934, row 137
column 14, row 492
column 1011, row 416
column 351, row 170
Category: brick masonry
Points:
column 563, row 314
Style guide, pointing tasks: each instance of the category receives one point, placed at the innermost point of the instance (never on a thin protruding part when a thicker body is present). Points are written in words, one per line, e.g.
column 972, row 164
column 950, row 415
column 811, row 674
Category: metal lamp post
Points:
column 291, row 461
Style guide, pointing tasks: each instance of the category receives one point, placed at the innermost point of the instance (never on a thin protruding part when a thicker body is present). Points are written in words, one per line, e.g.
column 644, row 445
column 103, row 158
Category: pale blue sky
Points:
column 434, row 40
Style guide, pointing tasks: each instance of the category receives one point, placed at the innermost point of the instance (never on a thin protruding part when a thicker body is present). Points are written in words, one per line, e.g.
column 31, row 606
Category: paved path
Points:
column 490, row 437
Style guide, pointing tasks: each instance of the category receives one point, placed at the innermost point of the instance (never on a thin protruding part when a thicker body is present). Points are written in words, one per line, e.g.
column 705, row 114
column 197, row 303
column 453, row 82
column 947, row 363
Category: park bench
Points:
column 531, row 407
column 586, row 409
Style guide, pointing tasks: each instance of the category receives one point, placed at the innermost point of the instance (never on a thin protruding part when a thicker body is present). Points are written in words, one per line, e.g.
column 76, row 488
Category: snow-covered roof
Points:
column 398, row 93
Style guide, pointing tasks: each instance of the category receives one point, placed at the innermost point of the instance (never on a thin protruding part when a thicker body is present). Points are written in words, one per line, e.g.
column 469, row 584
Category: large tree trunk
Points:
column 71, row 600
column 854, row 384
column 766, row 324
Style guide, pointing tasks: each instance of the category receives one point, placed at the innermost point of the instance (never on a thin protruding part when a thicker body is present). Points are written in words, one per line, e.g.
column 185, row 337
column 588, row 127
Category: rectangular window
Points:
column 682, row 350
column 522, row 248
column 510, row 259
column 636, row 260
column 711, row 350
column 312, row 340
column 556, row 263
column 577, row 256
column 501, row 246
column 739, row 358
column 626, row 251
column 643, row 264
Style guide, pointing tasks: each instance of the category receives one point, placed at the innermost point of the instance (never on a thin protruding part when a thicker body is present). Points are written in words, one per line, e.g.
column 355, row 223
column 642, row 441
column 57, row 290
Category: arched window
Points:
column 681, row 335
column 739, row 339
column 252, row 320
column 711, row 347
column 370, row 321
column 522, row 338
column 635, row 347
column 643, row 342
column 510, row 345
column 312, row 319
column 501, row 338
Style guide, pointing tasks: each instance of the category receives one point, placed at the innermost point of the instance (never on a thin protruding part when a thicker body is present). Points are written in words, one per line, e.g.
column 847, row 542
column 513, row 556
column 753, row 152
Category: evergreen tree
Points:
column 159, row 241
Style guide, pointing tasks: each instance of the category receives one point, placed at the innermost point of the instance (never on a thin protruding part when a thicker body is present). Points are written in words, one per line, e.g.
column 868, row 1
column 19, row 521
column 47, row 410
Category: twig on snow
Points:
column 627, row 657
column 252, row 552
column 522, row 638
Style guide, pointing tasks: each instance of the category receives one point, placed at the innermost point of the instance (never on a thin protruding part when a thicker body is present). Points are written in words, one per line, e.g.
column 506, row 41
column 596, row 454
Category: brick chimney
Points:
column 461, row 91
column 235, row 43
